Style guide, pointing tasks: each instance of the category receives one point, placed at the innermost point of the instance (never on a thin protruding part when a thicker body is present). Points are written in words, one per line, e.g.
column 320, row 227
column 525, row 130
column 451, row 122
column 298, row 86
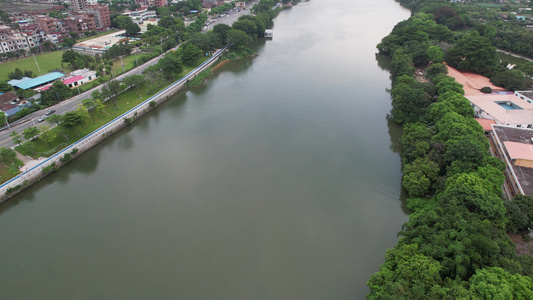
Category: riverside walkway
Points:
column 42, row 169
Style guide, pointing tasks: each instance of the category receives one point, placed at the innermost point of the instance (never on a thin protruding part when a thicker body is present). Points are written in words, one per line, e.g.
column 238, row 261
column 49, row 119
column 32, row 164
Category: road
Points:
column 230, row 18
column 64, row 106
column 72, row 103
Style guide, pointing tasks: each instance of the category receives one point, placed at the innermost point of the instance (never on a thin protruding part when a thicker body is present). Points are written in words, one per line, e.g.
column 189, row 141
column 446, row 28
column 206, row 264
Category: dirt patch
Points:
column 220, row 64
column 420, row 76
column 522, row 247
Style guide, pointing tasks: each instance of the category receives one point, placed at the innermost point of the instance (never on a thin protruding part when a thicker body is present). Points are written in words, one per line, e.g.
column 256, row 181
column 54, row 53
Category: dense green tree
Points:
column 238, row 38
column 473, row 53
column 111, row 90
column 435, row 54
column 7, row 156
column 419, row 177
column 126, row 23
column 247, row 26
column 16, row 138
column 5, row 87
column 512, row 80
column 409, row 104
column 190, row 54
column 30, row 133
column 16, row 74
column 47, row 135
column 136, row 81
column 405, row 274
column 74, row 119
column 496, row 283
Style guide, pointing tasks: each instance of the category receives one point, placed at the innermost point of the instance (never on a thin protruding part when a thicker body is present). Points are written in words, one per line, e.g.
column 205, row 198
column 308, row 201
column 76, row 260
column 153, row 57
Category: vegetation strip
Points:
column 160, row 96
column 455, row 244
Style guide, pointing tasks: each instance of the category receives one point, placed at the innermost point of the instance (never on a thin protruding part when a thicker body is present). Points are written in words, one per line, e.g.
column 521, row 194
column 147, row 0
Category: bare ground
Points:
column 522, row 247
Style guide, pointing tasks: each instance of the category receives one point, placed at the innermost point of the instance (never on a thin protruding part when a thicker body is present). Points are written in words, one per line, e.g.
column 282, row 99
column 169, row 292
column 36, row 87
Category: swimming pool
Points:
column 508, row 105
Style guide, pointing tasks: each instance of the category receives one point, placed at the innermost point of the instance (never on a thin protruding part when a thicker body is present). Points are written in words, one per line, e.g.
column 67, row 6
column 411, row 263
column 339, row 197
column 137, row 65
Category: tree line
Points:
column 455, row 244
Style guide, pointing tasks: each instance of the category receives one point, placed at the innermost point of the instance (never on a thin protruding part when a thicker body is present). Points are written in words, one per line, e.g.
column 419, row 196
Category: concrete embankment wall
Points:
column 24, row 180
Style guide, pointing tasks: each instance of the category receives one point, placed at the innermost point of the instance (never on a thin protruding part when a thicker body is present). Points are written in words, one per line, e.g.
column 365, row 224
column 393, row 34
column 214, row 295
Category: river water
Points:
column 277, row 179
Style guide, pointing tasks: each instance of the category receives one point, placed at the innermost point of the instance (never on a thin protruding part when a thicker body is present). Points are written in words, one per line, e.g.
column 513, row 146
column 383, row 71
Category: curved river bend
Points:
column 278, row 179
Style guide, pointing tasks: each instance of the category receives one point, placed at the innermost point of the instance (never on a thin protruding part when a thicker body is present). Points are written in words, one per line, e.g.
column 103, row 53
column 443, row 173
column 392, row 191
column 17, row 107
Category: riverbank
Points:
column 53, row 163
column 455, row 242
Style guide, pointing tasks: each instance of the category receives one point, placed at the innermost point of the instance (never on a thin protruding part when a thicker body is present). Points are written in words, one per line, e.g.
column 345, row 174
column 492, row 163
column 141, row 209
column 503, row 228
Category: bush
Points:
column 11, row 190
column 67, row 157
column 74, row 151
column 50, row 168
column 152, row 104
column 486, row 90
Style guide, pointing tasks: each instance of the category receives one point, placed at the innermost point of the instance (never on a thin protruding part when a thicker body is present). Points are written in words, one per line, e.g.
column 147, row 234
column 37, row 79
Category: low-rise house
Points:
column 8, row 103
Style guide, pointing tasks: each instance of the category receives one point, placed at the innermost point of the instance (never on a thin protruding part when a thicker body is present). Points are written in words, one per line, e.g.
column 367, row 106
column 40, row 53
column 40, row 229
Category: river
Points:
column 277, row 179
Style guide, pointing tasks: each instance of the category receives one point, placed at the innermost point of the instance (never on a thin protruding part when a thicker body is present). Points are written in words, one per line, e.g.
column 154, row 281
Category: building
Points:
column 78, row 5
column 161, row 3
column 515, row 147
column 8, row 103
column 17, row 41
column 504, row 107
column 101, row 16
column 525, row 95
column 46, row 24
column 140, row 15
column 76, row 78
column 80, row 24
column 31, row 83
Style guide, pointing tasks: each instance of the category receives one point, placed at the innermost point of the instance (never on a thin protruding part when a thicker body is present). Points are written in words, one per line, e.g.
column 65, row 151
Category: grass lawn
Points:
column 124, row 101
column 511, row 59
column 47, row 62
column 4, row 171
column 129, row 63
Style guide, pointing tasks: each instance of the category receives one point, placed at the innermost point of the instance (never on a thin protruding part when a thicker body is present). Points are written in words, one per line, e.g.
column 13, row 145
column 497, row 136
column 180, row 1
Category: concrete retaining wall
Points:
column 24, row 180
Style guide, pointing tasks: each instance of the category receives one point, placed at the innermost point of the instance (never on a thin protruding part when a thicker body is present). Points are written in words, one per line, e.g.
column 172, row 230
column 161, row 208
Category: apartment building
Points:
column 101, row 16
column 80, row 24
column 78, row 5
column 46, row 24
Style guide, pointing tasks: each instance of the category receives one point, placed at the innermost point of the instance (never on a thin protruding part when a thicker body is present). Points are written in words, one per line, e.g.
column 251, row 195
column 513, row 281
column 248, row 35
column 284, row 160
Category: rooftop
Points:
column 72, row 79
column 485, row 123
column 515, row 135
column 33, row 82
column 504, row 108
column 472, row 82
column 519, row 150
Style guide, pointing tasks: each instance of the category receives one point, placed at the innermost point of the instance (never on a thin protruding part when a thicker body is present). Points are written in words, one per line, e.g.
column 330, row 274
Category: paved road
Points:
column 231, row 17
column 72, row 103
column 63, row 107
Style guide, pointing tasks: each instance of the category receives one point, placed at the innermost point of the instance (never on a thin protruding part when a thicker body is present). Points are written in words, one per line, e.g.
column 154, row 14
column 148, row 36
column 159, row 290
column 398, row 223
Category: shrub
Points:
column 11, row 190
column 486, row 90
column 66, row 158
column 74, row 151
column 152, row 104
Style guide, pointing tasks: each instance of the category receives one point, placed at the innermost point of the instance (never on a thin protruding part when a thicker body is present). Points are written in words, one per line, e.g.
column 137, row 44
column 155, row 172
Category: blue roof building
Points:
column 37, row 81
